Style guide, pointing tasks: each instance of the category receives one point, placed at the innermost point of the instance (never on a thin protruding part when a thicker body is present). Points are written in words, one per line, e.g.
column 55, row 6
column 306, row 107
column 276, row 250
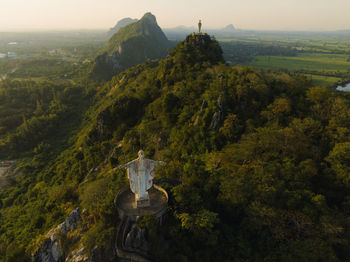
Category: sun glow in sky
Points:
column 243, row 14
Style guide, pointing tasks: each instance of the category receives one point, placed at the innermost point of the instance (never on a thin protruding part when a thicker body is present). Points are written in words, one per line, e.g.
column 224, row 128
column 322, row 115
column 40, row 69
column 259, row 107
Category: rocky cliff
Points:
column 51, row 250
column 57, row 244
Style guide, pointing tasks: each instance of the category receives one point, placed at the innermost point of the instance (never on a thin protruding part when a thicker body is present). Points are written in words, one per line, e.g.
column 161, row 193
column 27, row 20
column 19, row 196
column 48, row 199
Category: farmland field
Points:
column 319, row 80
column 325, row 59
column 305, row 61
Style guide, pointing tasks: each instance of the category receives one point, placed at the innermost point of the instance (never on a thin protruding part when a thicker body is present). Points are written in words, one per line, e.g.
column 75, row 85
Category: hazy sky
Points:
column 244, row 14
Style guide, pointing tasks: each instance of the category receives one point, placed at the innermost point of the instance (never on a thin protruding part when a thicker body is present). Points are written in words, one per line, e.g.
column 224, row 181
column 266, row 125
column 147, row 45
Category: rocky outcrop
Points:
column 7, row 168
column 102, row 120
column 71, row 222
column 219, row 115
column 50, row 250
column 204, row 106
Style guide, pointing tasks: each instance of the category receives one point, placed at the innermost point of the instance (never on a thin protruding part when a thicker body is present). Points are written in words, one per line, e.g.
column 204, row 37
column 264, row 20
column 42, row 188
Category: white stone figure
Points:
column 141, row 173
column 199, row 26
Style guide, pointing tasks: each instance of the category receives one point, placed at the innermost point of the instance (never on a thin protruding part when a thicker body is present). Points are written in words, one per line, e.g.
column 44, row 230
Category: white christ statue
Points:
column 141, row 173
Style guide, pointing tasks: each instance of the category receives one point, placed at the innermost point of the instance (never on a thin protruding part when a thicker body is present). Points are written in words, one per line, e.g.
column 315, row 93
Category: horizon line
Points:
column 37, row 30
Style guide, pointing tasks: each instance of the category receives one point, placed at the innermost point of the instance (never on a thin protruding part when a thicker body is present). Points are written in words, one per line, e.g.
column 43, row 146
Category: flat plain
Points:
column 325, row 59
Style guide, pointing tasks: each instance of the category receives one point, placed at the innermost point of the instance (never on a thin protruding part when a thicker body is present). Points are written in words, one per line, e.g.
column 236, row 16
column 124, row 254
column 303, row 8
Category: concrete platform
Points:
column 126, row 205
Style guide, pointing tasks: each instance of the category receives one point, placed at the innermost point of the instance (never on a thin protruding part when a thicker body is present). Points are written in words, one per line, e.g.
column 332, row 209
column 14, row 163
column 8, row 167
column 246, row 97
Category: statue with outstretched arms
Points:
column 141, row 173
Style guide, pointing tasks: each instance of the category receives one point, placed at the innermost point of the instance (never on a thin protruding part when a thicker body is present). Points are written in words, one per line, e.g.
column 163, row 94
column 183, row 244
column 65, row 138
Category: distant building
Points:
column 58, row 52
column 52, row 52
column 11, row 55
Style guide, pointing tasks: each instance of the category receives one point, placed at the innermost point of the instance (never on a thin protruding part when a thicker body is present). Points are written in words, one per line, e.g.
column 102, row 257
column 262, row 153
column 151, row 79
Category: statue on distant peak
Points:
column 199, row 26
column 141, row 173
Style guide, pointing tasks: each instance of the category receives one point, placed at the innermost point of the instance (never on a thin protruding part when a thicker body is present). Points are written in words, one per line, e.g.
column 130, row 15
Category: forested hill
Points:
column 131, row 45
column 263, row 160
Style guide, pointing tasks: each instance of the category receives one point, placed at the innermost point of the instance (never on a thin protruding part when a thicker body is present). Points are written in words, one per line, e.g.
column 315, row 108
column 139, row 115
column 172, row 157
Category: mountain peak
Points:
column 133, row 44
column 199, row 48
column 229, row 27
column 150, row 17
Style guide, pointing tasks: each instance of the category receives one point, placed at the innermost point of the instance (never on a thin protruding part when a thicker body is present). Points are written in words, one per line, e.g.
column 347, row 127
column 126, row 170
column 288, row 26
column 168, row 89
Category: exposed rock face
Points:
column 102, row 118
column 71, row 222
column 133, row 44
column 204, row 106
column 51, row 251
column 219, row 115
column 6, row 168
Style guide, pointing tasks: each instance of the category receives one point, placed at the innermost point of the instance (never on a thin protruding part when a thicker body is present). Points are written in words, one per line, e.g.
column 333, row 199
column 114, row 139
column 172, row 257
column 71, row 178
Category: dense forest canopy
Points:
column 263, row 159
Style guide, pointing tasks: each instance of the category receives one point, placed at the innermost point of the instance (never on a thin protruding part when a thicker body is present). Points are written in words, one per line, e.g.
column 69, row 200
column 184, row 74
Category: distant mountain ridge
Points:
column 133, row 44
column 229, row 27
column 120, row 24
column 180, row 32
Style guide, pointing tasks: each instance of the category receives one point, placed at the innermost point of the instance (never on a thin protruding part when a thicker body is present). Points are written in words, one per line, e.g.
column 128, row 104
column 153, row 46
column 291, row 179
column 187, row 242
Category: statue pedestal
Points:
column 143, row 203
column 155, row 205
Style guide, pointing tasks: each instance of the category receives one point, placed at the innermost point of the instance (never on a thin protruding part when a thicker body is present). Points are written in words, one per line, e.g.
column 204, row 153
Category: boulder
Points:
column 49, row 252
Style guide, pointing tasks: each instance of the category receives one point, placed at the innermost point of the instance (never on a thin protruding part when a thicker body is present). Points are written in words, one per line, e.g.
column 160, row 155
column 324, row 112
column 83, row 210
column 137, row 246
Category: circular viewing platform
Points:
column 126, row 204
